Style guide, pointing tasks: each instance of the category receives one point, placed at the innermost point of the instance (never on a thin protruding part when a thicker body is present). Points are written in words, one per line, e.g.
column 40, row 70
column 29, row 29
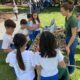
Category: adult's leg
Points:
column 71, row 56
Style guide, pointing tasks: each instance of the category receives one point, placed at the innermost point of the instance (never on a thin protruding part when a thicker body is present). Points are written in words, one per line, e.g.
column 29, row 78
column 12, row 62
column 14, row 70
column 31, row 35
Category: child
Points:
column 31, row 27
column 36, row 22
column 7, row 44
column 15, row 10
column 23, row 28
column 21, row 60
column 49, row 57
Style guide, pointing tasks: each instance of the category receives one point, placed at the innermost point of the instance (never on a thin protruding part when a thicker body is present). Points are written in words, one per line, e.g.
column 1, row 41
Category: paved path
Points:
column 2, row 28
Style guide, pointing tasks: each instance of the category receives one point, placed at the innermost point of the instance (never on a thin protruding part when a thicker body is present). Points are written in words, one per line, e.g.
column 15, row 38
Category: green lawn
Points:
column 6, row 73
column 10, row 9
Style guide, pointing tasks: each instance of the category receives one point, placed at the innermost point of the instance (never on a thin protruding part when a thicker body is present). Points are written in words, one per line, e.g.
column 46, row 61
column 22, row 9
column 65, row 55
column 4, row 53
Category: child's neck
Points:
column 8, row 33
column 22, row 50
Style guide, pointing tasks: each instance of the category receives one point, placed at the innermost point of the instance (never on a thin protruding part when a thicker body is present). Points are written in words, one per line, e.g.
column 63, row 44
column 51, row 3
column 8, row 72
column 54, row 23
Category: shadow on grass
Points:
column 78, row 64
column 51, row 9
column 21, row 9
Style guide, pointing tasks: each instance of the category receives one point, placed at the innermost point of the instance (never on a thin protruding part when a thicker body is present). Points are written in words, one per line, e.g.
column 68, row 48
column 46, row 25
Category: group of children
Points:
column 25, row 61
column 45, row 60
column 29, row 28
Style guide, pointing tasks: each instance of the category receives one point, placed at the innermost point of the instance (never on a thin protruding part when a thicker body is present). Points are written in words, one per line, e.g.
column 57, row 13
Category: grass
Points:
column 6, row 73
column 10, row 9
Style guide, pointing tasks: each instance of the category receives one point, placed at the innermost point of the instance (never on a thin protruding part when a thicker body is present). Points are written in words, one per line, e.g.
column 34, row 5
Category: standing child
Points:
column 23, row 28
column 49, row 57
column 15, row 10
column 36, row 22
column 7, row 44
column 31, row 27
column 21, row 60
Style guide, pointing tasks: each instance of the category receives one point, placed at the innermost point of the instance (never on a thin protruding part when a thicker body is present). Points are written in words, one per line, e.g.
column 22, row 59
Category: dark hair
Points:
column 19, row 40
column 9, row 24
column 29, row 16
column 68, row 6
column 23, row 21
column 47, row 45
column 34, row 19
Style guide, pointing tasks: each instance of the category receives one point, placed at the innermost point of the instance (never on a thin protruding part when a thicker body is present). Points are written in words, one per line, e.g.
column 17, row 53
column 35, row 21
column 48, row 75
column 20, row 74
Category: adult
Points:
column 70, row 31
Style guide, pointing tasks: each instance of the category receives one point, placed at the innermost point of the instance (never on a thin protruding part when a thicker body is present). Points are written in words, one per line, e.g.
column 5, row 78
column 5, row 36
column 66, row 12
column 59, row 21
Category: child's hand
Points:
column 36, row 48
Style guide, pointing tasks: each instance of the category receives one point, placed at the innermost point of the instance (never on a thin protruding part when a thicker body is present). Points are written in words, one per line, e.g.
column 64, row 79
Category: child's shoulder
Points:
column 6, row 36
column 12, row 53
column 11, row 58
column 59, row 55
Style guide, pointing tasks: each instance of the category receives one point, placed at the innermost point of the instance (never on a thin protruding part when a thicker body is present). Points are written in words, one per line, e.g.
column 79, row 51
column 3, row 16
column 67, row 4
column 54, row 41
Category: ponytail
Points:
column 20, row 60
column 19, row 41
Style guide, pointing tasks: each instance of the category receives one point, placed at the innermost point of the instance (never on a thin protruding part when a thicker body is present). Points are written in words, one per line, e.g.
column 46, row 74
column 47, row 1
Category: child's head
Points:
column 35, row 16
column 10, row 26
column 78, row 16
column 20, row 43
column 23, row 23
column 29, row 16
column 47, row 44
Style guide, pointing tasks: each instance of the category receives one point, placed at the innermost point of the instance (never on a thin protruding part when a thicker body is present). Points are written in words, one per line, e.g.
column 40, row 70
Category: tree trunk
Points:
column 21, row 2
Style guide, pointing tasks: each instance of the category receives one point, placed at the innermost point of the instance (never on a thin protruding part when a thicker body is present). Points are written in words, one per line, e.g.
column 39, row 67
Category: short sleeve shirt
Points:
column 28, row 59
column 49, row 65
column 7, row 41
column 69, row 24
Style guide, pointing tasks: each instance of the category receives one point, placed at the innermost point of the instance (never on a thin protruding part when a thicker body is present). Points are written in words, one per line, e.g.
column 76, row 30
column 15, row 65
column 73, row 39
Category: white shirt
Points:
column 38, row 28
column 23, row 31
column 49, row 65
column 30, row 24
column 28, row 59
column 15, row 9
column 7, row 41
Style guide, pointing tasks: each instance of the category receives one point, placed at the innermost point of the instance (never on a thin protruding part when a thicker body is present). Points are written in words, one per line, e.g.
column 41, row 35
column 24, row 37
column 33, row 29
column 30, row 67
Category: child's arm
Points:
column 38, row 69
column 61, row 59
column 33, row 27
column 7, row 50
column 62, row 64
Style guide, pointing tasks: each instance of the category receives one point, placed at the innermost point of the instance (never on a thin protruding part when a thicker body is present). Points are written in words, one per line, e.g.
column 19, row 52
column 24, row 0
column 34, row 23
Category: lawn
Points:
column 6, row 8
column 6, row 73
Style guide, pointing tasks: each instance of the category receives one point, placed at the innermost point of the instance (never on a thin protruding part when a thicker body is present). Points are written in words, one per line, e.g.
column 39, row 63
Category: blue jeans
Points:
column 33, row 34
column 55, row 77
column 72, row 53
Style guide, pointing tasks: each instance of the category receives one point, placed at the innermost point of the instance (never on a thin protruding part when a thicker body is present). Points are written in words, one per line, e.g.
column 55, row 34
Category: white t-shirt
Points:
column 49, row 65
column 7, row 41
column 28, row 59
column 15, row 9
column 23, row 31
column 38, row 28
